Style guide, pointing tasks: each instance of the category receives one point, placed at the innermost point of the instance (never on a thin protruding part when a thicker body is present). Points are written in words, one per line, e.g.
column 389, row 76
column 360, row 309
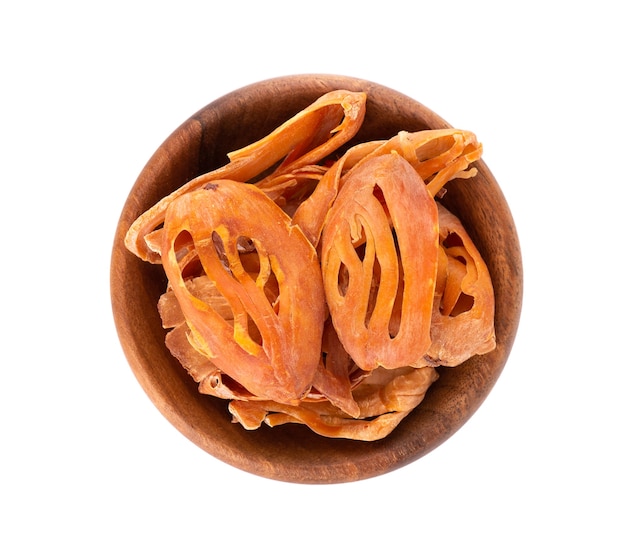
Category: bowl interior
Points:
column 293, row 453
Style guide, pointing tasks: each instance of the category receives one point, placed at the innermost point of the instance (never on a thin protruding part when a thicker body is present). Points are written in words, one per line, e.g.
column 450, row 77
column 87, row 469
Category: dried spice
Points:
column 318, row 287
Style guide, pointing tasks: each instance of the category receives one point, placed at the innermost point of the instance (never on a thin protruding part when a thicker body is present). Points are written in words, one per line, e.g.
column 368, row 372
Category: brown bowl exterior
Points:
column 293, row 453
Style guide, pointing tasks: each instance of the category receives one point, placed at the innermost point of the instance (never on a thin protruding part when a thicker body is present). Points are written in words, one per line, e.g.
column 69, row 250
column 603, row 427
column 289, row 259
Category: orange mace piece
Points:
column 305, row 139
column 379, row 262
column 265, row 268
column 464, row 306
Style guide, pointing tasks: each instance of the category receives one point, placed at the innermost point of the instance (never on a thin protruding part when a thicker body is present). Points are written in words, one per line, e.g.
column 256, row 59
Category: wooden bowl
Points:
column 292, row 452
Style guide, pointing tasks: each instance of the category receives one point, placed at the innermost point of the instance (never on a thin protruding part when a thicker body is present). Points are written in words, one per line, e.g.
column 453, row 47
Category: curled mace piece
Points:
column 438, row 155
column 383, row 399
column 305, row 139
column 464, row 306
column 264, row 267
column 379, row 261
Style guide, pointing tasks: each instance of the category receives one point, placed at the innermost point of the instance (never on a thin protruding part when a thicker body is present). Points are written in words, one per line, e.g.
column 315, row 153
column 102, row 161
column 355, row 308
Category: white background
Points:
column 90, row 90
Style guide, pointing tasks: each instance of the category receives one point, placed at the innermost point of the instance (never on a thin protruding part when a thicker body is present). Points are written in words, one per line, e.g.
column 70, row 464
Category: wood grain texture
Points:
column 293, row 453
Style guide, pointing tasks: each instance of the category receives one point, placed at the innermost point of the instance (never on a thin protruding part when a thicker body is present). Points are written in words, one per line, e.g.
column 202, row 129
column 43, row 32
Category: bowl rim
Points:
column 314, row 460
